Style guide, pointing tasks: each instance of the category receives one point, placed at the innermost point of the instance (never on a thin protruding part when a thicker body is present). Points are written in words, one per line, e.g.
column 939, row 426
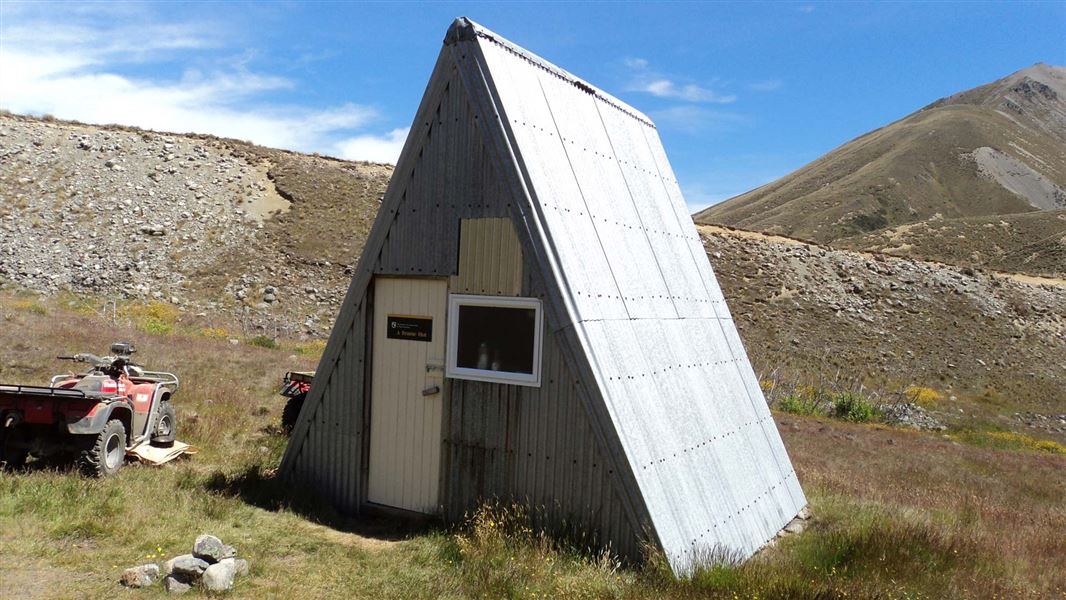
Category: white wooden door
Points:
column 406, row 392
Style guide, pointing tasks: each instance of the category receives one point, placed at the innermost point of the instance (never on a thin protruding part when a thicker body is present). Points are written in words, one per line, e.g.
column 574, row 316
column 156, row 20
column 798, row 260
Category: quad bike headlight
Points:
column 122, row 349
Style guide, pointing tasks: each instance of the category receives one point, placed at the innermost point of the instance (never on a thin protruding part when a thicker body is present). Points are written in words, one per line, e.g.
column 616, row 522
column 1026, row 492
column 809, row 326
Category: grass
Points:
column 852, row 406
column 847, row 406
column 897, row 514
column 263, row 341
column 923, row 396
column 311, row 348
column 1009, row 440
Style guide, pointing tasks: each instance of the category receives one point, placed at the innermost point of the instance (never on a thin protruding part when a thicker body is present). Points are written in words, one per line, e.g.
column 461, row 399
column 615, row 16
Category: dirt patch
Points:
column 26, row 579
column 269, row 202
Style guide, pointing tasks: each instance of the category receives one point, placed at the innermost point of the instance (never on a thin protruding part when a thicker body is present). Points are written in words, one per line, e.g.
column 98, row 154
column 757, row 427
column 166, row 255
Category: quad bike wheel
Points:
column 10, row 458
column 291, row 412
column 107, row 452
column 165, row 430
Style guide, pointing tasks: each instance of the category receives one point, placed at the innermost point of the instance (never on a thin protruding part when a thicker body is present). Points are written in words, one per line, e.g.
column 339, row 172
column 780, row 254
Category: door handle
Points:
column 431, row 390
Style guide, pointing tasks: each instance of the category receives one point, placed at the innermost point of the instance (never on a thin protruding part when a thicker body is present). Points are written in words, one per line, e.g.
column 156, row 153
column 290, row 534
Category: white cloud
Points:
column 81, row 72
column 665, row 88
column 374, row 148
column 650, row 82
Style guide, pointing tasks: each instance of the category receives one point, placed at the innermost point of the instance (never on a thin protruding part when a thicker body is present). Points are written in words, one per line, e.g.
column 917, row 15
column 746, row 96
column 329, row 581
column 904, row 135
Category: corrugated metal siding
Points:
column 646, row 307
column 490, row 258
column 534, row 446
column 329, row 458
column 452, row 179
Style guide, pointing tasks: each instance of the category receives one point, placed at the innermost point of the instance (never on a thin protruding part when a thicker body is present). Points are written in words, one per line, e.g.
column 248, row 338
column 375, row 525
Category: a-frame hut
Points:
column 534, row 319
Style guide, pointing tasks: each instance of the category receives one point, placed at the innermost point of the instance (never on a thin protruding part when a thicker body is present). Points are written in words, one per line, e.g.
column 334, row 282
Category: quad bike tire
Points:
column 164, row 431
column 291, row 412
column 106, row 452
column 10, row 458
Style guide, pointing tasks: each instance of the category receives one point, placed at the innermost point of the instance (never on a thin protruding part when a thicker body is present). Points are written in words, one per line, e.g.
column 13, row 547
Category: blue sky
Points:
column 743, row 93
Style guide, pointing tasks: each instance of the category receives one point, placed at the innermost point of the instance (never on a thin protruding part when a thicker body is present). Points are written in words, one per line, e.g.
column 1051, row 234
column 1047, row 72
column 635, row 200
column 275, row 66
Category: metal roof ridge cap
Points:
column 464, row 29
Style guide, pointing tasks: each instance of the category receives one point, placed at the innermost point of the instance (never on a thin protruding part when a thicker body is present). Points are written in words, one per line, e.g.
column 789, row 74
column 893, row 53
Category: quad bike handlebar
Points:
column 118, row 363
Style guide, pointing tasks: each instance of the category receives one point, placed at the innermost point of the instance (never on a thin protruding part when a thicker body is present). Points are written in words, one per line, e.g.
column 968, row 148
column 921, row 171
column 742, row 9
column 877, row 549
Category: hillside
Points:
column 227, row 237
column 815, row 313
column 961, row 163
column 223, row 229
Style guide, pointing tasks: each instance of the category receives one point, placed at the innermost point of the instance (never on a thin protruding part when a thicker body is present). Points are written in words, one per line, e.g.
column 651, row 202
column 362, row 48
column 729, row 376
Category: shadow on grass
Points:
column 261, row 488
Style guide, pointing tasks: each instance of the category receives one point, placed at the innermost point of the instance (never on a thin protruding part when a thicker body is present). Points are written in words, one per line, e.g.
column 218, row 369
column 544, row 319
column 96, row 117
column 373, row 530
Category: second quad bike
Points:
column 294, row 386
column 93, row 418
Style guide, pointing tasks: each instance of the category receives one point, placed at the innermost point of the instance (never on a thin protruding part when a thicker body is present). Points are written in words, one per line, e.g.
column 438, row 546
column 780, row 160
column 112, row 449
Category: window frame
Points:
column 453, row 371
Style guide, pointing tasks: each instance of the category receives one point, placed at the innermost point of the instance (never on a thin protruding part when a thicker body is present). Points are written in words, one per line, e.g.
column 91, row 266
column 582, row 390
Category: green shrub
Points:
column 851, row 406
column 156, row 326
column 798, row 405
column 263, row 341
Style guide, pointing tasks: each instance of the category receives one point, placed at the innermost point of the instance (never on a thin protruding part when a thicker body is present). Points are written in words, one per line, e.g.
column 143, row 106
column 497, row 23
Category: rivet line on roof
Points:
column 655, row 232
column 765, row 495
column 632, row 165
column 556, row 72
column 708, row 441
column 709, row 363
column 625, row 298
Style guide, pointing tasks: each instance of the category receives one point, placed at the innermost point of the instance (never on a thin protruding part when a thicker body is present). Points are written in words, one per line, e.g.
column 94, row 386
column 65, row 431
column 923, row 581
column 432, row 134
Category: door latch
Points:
column 431, row 390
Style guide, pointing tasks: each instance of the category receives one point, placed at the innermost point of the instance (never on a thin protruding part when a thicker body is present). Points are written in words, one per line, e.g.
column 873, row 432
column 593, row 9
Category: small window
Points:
column 493, row 338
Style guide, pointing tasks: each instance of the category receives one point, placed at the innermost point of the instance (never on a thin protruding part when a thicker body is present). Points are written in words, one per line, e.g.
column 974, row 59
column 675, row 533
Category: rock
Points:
column 908, row 414
column 219, row 576
column 186, row 564
column 270, row 298
column 173, row 585
column 804, row 513
column 142, row 576
column 242, row 567
column 211, row 549
column 796, row 526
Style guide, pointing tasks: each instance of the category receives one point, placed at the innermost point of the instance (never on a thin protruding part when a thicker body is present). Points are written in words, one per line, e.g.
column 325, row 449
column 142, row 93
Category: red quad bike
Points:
column 294, row 386
column 95, row 417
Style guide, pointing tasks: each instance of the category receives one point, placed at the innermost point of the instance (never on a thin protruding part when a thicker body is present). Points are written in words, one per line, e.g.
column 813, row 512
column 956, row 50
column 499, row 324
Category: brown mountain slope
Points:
column 1031, row 242
column 996, row 150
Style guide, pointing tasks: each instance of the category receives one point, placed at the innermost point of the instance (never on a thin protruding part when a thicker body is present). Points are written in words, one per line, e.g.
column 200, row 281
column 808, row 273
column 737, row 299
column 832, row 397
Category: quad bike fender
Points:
column 94, row 422
column 160, row 394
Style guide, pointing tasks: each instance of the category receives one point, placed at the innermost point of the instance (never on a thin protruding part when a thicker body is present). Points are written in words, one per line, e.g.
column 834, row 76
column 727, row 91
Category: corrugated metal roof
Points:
column 646, row 308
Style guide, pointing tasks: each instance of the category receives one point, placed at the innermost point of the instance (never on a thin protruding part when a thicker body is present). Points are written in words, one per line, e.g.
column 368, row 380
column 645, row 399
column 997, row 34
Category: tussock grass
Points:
column 809, row 401
column 263, row 341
